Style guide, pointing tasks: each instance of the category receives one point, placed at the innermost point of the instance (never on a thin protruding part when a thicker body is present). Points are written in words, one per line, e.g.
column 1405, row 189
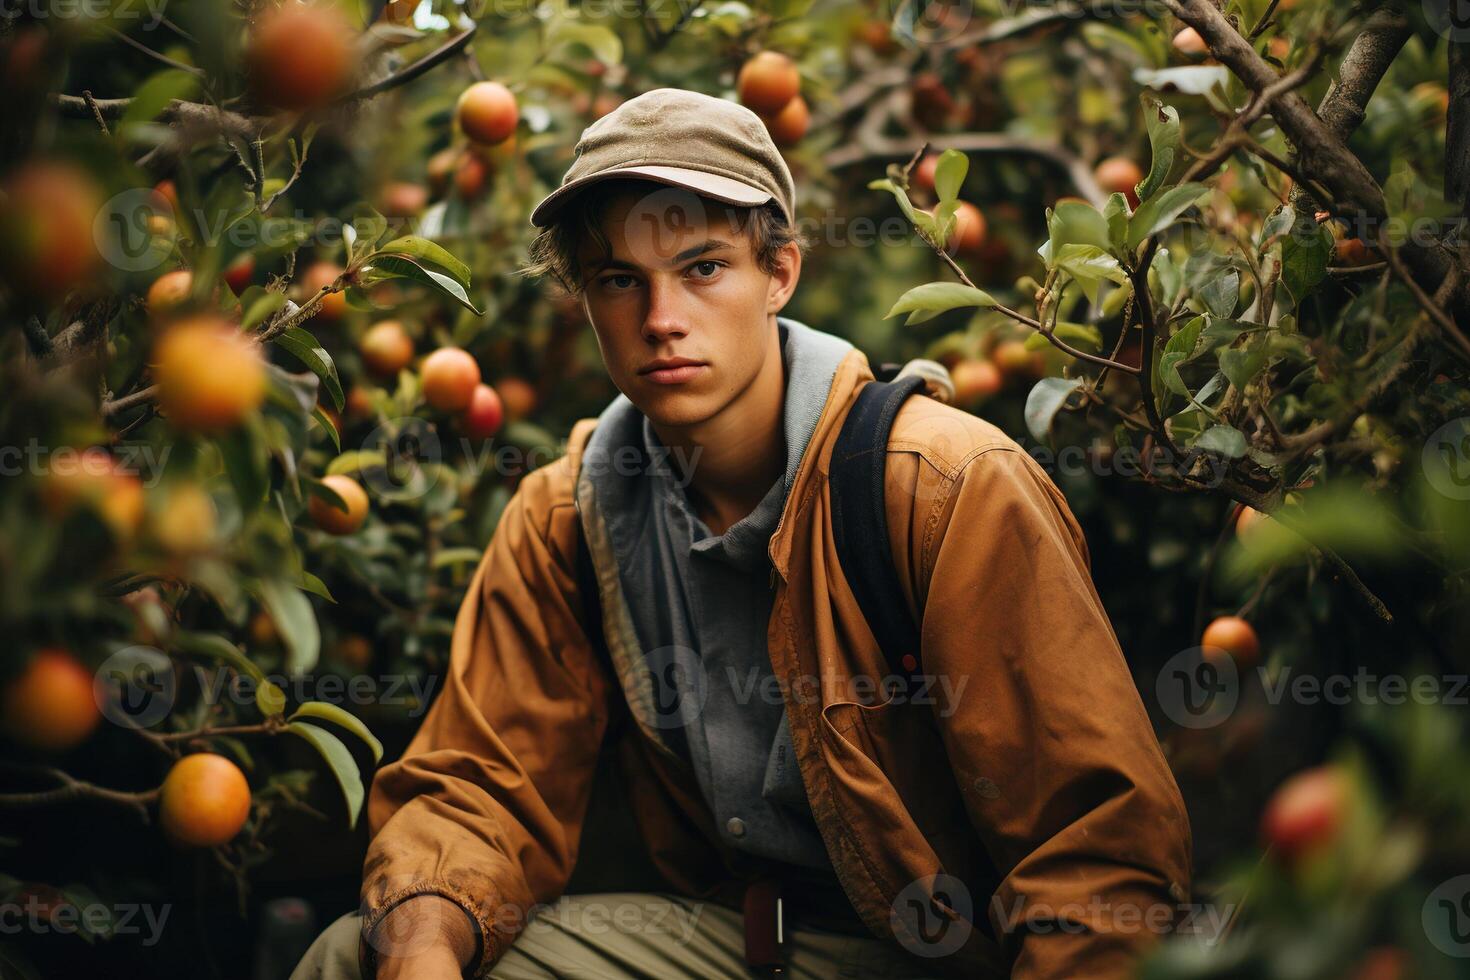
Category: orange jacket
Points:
column 1037, row 795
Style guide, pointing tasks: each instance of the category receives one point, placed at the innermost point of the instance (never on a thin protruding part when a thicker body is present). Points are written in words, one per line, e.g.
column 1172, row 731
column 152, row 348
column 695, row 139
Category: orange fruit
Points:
column 209, row 374
column 185, row 523
column 46, row 241
column 974, row 381
column 1189, row 42
column 205, row 800
column 788, row 126
column 316, row 276
column 1119, row 175
column 482, row 418
column 169, row 292
column 333, row 519
column 487, row 112
column 450, row 375
column 98, row 481
column 50, row 705
column 517, row 395
column 1233, row 636
column 767, row 82
column 386, row 348
column 300, row 56
column 1305, row 812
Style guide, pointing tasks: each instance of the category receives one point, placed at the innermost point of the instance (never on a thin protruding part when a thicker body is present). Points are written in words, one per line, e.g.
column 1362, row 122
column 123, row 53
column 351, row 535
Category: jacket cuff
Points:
column 480, row 964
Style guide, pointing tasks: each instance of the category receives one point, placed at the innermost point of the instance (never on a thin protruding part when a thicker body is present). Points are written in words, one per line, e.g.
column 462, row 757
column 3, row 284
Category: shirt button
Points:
column 736, row 827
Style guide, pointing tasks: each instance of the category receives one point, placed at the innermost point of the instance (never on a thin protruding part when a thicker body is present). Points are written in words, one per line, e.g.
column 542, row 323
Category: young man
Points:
column 1015, row 819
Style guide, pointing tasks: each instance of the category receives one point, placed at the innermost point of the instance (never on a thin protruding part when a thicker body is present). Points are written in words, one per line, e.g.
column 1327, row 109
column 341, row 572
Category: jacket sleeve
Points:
column 1062, row 774
column 485, row 807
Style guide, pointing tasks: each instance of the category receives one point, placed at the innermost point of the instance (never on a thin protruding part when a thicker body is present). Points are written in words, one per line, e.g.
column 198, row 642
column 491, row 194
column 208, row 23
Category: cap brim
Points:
column 714, row 186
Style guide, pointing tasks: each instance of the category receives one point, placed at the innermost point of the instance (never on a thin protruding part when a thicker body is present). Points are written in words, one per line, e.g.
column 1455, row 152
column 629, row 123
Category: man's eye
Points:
column 707, row 268
column 618, row 281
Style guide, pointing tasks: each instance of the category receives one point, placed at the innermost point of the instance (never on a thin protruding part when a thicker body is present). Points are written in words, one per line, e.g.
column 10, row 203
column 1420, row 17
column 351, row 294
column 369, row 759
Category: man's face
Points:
column 681, row 284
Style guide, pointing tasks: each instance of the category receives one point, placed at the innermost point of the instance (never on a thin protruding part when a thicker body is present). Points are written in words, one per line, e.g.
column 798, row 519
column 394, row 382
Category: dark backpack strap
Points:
column 860, row 521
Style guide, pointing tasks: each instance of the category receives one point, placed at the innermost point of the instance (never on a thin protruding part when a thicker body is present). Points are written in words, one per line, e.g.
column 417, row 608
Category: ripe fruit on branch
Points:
column 969, row 229
column 1015, row 361
column 1119, row 175
column 923, row 175
column 51, row 705
column 46, row 241
column 333, row 519
column 517, row 395
column 487, row 112
column 402, row 199
column 450, row 375
column 1232, row 636
column 1353, row 252
column 482, row 418
column 98, row 481
column 185, row 522
column 205, row 800
column 440, row 168
column 877, row 35
column 386, row 349
column 767, row 82
column 975, row 380
column 1188, row 41
column 470, row 175
column 209, row 375
column 300, row 56
column 788, row 126
column 316, row 276
column 169, row 292
column 1306, row 812
column 239, row 273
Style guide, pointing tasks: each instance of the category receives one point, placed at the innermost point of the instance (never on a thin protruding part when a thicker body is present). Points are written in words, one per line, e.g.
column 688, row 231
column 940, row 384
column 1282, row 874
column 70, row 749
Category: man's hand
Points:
column 427, row 937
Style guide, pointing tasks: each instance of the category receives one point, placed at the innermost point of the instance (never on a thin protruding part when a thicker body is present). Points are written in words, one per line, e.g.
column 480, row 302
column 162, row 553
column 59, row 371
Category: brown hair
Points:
column 554, row 251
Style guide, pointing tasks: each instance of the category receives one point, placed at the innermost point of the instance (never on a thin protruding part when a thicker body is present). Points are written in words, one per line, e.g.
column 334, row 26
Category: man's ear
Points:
column 784, row 278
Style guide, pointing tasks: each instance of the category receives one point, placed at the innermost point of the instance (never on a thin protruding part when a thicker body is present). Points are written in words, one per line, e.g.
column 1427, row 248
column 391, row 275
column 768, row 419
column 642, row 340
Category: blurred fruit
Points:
column 209, row 374
column 450, row 375
column 440, row 168
column 1234, row 636
column 517, row 396
column 1017, row 363
column 767, row 82
column 1434, row 95
column 487, row 112
column 968, row 233
column 185, row 523
column 1119, row 175
column 333, row 519
column 1353, row 252
column 975, row 380
column 359, row 404
column 169, row 292
column 400, row 12
column 317, row 276
column 239, row 273
column 169, row 192
column 470, row 176
column 98, row 481
column 386, row 349
column 263, row 629
column 933, row 106
column 300, row 56
column 205, row 800
column 788, row 126
column 354, row 650
column 1247, row 520
column 878, row 35
column 604, row 103
column 482, row 418
column 1306, row 812
column 1384, row 963
column 51, row 705
column 401, row 199
column 1189, row 42
column 46, row 242
column 923, row 175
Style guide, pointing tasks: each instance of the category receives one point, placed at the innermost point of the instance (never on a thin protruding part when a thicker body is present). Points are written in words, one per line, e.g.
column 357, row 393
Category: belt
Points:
column 765, row 927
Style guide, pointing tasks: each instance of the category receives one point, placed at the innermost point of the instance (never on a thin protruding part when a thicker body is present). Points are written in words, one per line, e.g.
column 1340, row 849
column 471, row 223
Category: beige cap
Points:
column 711, row 146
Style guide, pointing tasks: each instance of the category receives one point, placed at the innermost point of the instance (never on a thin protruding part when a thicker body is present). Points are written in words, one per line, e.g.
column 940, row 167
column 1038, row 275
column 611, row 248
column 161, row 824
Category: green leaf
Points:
column 270, row 699
column 1190, row 79
column 429, row 253
column 326, row 423
column 1304, row 256
column 339, row 760
column 901, row 196
column 296, row 621
column 217, row 647
column 155, row 93
column 457, row 556
column 1241, row 364
column 949, row 175
column 1075, row 223
column 1221, row 293
column 356, row 459
column 1164, row 138
column 1043, row 403
column 1226, row 440
column 1116, row 213
column 245, row 464
column 1090, row 266
column 303, row 346
column 1159, row 213
column 384, row 266
column 310, row 583
column 262, row 304
column 933, row 298
column 605, row 45
column 339, row 716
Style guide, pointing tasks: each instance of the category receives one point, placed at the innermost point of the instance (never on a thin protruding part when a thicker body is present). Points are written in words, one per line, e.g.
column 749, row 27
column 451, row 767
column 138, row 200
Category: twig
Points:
column 37, row 337
column 75, row 789
column 140, row 397
column 155, row 55
column 407, row 74
column 96, row 113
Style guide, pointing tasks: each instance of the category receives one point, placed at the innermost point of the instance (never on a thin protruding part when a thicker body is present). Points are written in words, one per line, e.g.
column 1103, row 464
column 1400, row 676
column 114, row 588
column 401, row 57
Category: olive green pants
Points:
column 598, row 937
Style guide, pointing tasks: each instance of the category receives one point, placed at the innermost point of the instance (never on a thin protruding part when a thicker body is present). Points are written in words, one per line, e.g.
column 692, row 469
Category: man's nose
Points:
column 665, row 317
